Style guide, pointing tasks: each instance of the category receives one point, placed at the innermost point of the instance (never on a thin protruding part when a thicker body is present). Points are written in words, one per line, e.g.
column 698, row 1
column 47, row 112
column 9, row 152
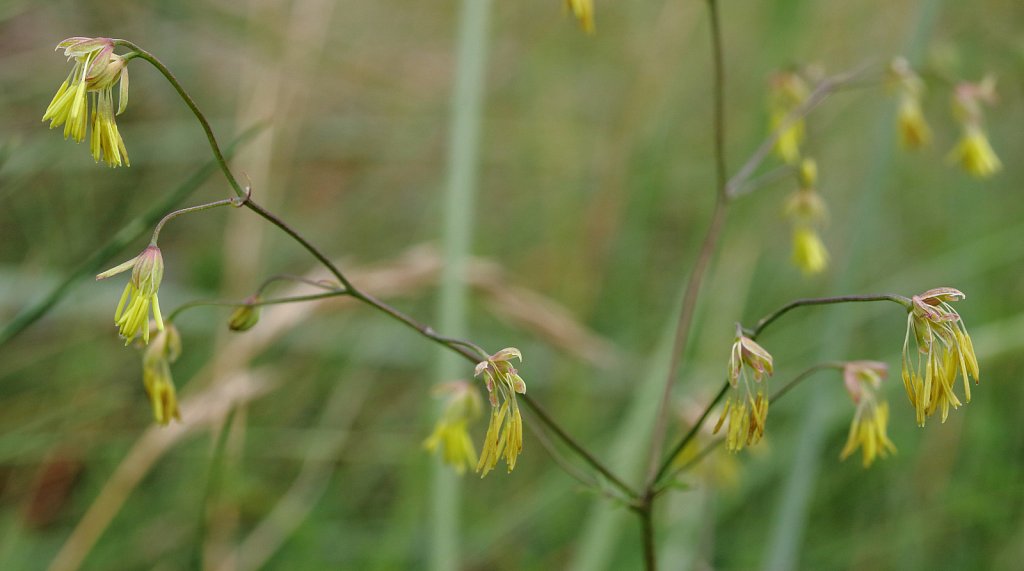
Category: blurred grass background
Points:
column 594, row 186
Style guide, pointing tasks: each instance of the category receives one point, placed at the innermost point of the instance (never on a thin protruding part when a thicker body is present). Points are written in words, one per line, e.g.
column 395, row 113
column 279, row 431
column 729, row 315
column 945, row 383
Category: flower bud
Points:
column 246, row 316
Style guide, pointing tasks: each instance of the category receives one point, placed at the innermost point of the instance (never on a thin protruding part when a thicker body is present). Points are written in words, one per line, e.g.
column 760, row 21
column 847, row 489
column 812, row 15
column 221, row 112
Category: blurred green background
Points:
column 595, row 185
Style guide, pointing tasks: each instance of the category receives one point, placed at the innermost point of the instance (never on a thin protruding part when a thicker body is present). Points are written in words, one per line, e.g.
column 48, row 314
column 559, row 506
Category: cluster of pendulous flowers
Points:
column 913, row 129
column 868, row 431
column 87, row 96
column 973, row 152
column 140, row 295
column 746, row 405
column 788, row 92
column 943, row 352
column 807, row 211
column 504, row 439
column 462, row 405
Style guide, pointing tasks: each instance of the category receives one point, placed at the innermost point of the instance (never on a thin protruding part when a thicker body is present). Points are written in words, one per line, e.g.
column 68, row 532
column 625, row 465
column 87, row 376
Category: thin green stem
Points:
column 189, row 210
column 221, row 161
column 646, row 515
column 576, row 447
column 468, row 350
column 322, row 284
column 771, row 317
column 228, row 303
column 133, row 230
column 737, row 184
column 707, row 249
column 667, row 463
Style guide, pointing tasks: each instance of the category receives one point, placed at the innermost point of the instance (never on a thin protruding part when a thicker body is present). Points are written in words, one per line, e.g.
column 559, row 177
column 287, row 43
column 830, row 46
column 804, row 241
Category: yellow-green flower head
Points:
column 504, row 437
column 911, row 125
column 913, row 129
column 975, row 154
column 788, row 92
column 97, row 69
column 868, row 431
column 246, row 316
column 156, row 374
column 132, row 314
column 944, row 351
column 809, row 252
column 583, row 10
column 451, row 436
column 746, row 406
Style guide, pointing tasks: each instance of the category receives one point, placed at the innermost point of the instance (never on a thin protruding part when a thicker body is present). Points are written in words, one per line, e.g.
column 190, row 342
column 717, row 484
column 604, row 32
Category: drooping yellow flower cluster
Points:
column 973, row 152
column 156, row 374
column 911, row 125
column 788, row 92
column 944, row 352
column 746, row 405
column 807, row 211
column 132, row 314
column 89, row 87
column 504, row 439
column 451, row 435
column 868, row 431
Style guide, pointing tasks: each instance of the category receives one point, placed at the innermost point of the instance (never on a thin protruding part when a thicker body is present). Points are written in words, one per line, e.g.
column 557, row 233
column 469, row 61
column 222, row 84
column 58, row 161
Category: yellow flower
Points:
column 868, row 432
column 944, row 351
column 246, row 316
column 583, row 10
column 910, row 122
column 975, row 154
column 788, row 92
column 132, row 314
column 809, row 252
column 868, row 429
column 463, row 404
column 746, row 406
column 156, row 374
column 913, row 129
column 504, row 437
column 97, row 69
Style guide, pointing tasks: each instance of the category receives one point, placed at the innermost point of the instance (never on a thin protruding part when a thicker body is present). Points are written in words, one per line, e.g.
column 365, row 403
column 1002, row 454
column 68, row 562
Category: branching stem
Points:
column 771, row 317
column 467, row 349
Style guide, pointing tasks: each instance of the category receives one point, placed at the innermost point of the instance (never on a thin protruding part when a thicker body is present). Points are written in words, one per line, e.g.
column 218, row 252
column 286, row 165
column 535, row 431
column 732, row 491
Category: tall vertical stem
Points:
column 707, row 249
column 463, row 159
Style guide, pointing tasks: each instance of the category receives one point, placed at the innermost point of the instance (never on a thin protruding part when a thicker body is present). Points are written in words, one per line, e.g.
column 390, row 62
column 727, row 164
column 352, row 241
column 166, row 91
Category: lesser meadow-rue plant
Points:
column 937, row 348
